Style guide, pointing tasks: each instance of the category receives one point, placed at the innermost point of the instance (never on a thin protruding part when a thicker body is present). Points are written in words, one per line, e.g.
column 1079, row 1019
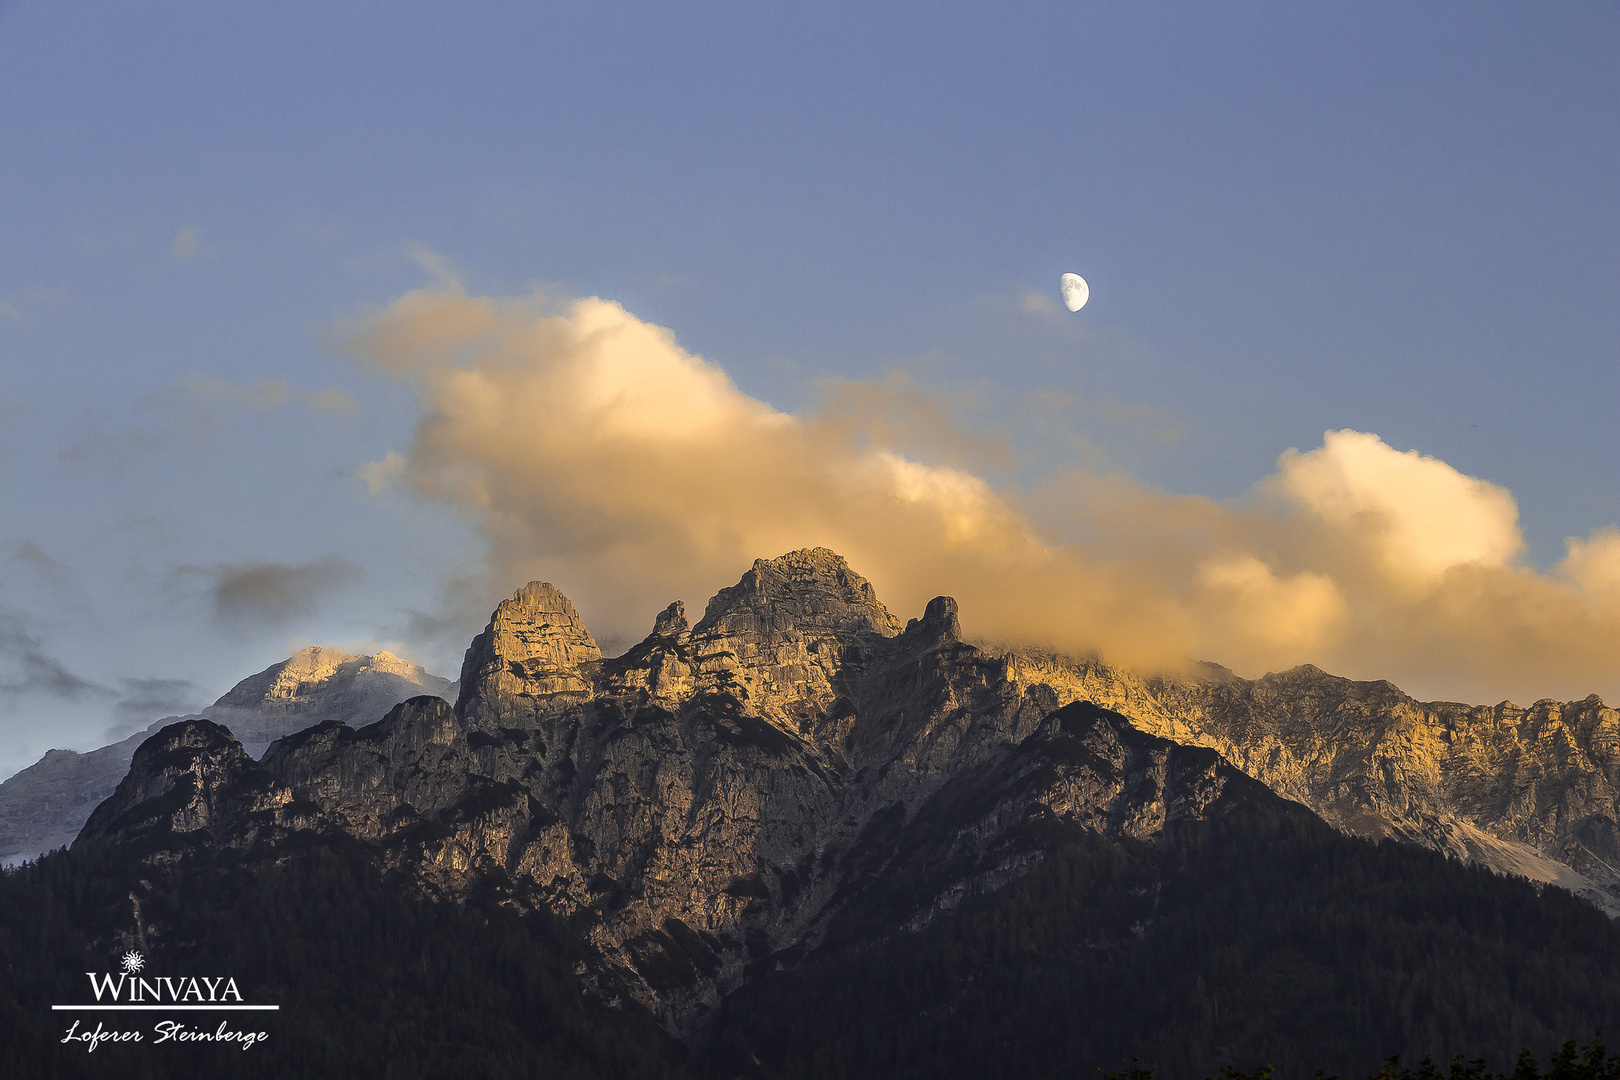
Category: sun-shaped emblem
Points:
column 133, row 962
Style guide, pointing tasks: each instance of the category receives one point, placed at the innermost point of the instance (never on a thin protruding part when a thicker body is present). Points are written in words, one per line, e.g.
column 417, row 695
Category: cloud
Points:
column 143, row 700
column 1038, row 303
column 899, row 413
column 31, row 554
column 269, row 593
column 188, row 244
column 192, row 412
column 22, row 306
column 1593, row 564
column 1299, row 612
column 589, row 449
column 380, row 474
column 1426, row 516
column 25, row 667
column 270, row 394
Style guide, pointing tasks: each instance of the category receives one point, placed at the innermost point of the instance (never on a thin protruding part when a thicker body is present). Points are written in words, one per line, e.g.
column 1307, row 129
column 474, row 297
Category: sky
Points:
column 335, row 323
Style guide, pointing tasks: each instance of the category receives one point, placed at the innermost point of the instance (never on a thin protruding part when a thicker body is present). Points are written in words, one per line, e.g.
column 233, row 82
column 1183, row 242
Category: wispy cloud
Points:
column 270, row 594
column 1038, row 303
column 270, row 394
column 38, row 300
column 32, row 555
column 380, row 474
column 26, row 668
column 193, row 412
column 188, row 244
column 144, row 700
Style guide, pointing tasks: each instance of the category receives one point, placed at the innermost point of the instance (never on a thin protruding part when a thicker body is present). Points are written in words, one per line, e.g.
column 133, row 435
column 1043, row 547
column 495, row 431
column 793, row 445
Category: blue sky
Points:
column 1398, row 219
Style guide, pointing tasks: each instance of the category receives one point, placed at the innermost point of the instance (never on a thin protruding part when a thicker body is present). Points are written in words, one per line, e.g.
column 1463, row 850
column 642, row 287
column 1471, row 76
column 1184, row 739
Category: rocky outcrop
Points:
column 192, row 784
column 45, row 805
column 535, row 657
column 1527, row 791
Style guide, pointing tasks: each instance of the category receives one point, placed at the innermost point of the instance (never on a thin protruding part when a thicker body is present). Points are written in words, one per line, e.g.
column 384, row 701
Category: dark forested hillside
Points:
column 372, row 980
column 1259, row 938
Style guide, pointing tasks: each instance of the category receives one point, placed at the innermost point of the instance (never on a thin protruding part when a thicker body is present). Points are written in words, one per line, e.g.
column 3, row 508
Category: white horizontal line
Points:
column 168, row 1008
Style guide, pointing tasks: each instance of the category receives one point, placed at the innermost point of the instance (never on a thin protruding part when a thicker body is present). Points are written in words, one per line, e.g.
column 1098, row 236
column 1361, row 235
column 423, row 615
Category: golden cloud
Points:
column 591, row 450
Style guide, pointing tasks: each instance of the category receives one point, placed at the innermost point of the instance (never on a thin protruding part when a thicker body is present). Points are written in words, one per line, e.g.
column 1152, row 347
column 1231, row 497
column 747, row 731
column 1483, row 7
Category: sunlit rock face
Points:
column 534, row 657
column 717, row 798
column 1528, row 791
column 45, row 805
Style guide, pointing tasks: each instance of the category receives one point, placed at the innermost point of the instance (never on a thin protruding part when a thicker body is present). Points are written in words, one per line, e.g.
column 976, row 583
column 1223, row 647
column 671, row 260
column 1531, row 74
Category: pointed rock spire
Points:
column 534, row 654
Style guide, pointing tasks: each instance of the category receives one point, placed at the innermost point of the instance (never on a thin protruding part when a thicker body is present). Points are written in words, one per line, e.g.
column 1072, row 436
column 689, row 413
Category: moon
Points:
column 1075, row 291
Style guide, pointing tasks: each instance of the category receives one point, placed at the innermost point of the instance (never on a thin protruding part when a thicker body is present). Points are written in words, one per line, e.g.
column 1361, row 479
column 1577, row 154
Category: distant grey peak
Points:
column 292, row 684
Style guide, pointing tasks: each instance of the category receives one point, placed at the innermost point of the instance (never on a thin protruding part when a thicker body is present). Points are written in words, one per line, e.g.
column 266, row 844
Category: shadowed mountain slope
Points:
column 44, row 806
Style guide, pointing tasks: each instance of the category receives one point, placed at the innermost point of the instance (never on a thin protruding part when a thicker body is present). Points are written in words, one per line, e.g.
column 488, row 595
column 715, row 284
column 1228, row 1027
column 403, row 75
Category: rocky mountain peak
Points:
column 535, row 653
column 812, row 589
column 939, row 623
column 192, row 777
column 777, row 640
column 671, row 622
column 284, row 682
column 773, row 643
column 45, row 805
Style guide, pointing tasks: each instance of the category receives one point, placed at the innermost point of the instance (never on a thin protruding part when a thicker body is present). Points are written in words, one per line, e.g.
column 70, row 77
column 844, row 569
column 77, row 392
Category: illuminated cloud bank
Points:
column 592, row 451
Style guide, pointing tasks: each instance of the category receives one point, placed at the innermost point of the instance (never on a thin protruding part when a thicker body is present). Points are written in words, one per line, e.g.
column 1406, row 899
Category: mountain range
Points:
column 43, row 806
column 768, row 828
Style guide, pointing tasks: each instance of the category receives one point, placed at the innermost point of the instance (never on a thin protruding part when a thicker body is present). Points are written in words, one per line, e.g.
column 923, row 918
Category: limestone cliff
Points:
column 1528, row 791
column 191, row 783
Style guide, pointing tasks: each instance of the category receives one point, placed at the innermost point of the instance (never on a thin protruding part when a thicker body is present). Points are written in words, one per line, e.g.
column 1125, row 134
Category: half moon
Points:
column 1075, row 291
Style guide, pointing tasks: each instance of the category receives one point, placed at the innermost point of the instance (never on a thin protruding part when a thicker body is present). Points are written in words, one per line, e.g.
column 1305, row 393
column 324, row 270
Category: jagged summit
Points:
column 1529, row 791
column 939, row 621
column 773, row 642
column 671, row 622
column 534, row 654
column 806, row 590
